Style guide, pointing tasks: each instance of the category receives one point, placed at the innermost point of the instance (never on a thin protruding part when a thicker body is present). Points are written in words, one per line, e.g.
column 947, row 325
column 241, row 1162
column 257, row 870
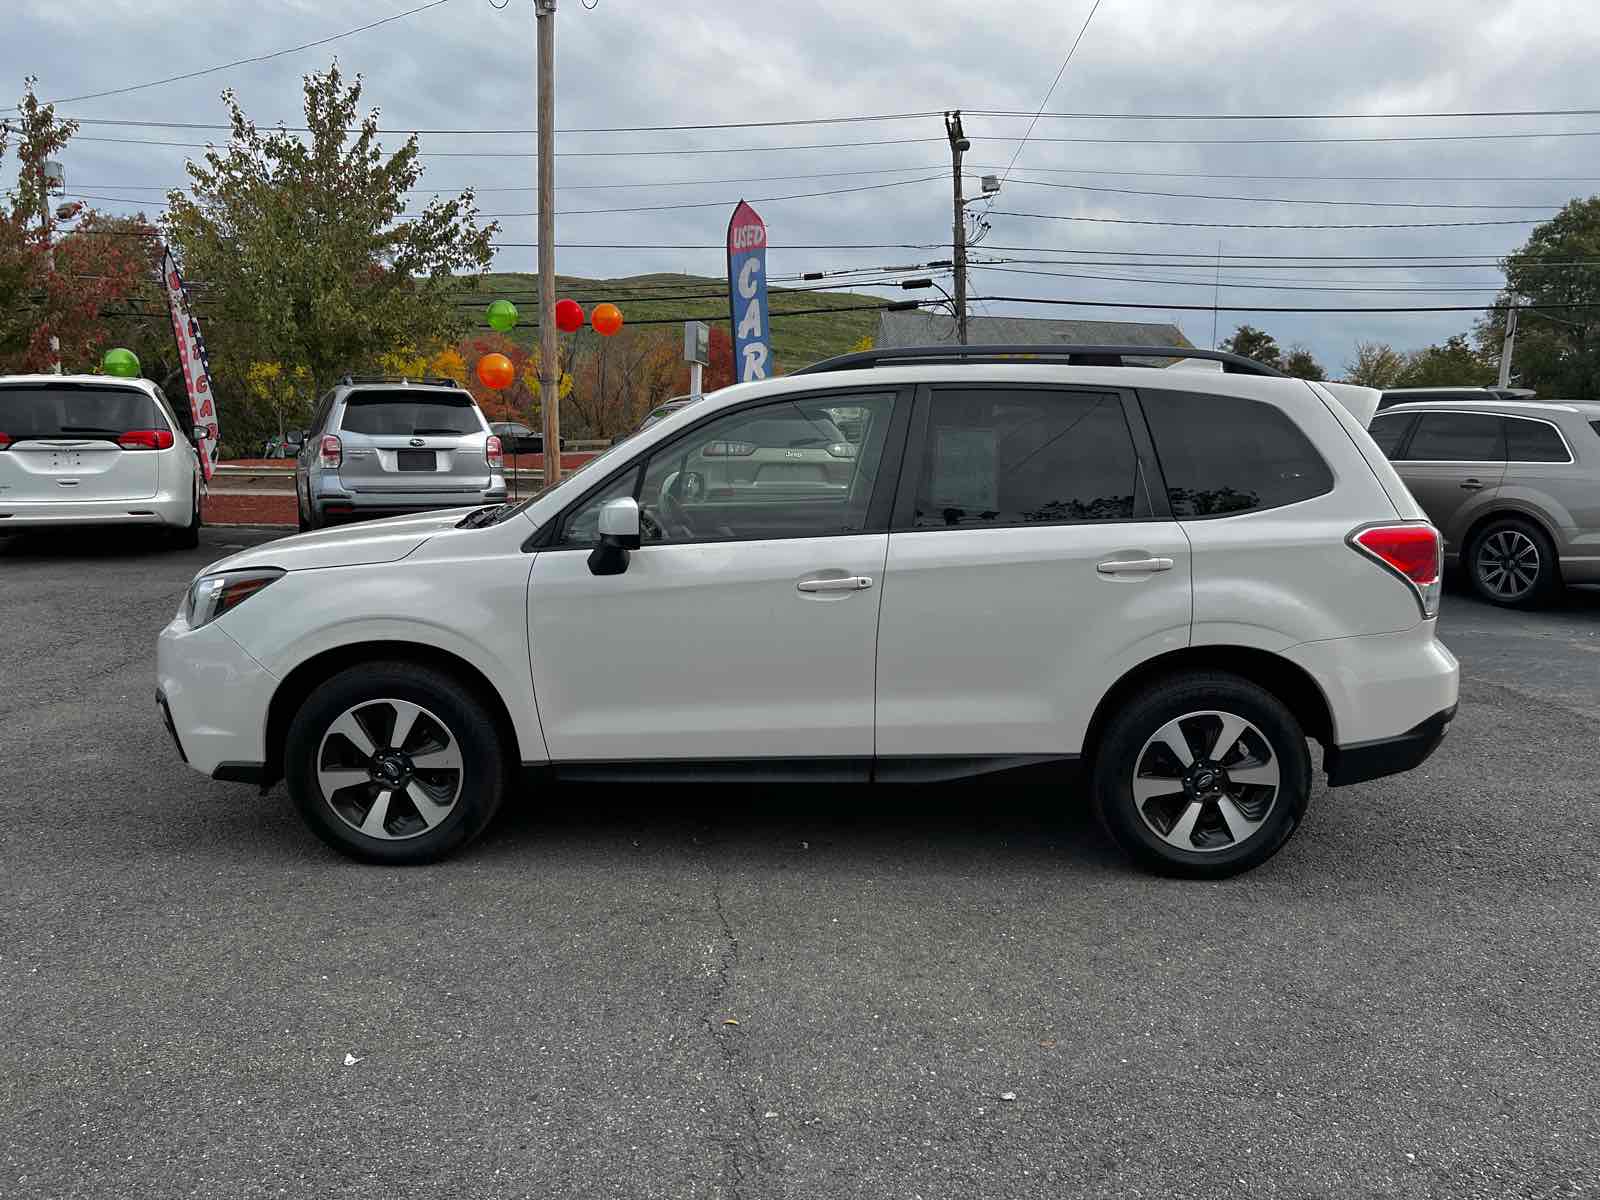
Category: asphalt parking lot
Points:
column 741, row 993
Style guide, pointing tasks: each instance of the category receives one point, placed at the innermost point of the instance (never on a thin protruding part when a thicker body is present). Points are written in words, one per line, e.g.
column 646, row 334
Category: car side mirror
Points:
column 199, row 434
column 293, row 438
column 619, row 533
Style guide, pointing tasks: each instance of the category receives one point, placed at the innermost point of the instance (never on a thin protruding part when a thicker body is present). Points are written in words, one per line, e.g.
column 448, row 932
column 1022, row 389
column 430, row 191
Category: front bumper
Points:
column 214, row 698
column 1387, row 756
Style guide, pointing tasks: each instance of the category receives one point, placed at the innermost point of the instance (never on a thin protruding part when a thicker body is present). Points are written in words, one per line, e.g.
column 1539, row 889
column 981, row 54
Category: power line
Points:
column 1266, row 308
column 1380, row 116
column 682, row 152
column 1084, row 187
column 1311, row 178
column 238, row 62
column 478, row 132
column 1295, row 141
column 1248, row 225
column 1267, row 287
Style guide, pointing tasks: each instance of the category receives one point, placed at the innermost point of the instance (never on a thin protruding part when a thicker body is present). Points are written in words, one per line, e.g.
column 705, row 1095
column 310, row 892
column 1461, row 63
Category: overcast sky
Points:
column 465, row 65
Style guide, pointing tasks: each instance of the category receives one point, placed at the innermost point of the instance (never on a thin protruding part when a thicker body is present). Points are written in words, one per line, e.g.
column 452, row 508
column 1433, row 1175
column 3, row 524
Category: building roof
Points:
column 933, row 329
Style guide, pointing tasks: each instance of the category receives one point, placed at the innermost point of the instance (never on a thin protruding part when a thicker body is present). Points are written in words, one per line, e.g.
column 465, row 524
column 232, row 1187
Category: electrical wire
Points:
column 1249, row 225
column 1084, row 187
column 238, row 62
column 1380, row 116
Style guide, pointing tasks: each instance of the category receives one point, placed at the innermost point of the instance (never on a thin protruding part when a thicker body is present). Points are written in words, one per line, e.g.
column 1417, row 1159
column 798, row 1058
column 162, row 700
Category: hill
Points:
column 671, row 298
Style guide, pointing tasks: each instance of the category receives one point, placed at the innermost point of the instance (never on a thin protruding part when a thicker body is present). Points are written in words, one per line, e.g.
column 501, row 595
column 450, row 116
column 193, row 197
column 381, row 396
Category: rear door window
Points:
column 76, row 411
column 1390, row 431
column 1024, row 456
column 410, row 414
column 1224, row 454
column 1534, row 442
column 1457, row 437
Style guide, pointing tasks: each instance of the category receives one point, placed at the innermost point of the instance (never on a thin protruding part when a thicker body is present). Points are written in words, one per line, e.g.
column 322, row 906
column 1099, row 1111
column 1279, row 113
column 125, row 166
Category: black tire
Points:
column 467, row 720
column 188, row 536
column 1511, row 540
column 1127, row 740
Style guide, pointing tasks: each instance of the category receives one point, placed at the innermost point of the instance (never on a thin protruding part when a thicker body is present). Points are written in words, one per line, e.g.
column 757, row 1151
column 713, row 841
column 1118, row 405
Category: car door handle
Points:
column 1471, row 485
column 1130, row 566
column 852, row 583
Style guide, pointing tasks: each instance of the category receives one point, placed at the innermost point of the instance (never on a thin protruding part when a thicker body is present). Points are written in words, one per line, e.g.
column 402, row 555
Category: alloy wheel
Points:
column 1206, row 781
column 389, row 769
column 1508, row 564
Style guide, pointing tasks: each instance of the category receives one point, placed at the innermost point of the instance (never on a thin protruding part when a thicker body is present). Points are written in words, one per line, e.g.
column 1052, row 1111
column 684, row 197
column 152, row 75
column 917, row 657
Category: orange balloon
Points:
column 606, row 319
column 495, row 371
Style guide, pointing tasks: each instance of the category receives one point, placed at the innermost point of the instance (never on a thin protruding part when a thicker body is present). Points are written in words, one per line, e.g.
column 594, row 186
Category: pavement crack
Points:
column 745, row 1155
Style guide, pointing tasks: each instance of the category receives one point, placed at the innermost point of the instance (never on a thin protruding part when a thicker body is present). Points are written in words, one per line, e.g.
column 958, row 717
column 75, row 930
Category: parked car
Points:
column 656, row 415
column 380, row 447
column 1514, row 485
column 1406, row 395
column 1169, row 579
column 518, row 438
column 94, row 450
column 287, row 446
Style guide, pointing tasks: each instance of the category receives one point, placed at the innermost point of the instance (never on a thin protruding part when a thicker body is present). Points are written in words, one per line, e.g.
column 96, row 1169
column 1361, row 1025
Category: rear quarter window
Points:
column 1534, row 442
column 409, row 413
column 1390, row 431
column 1223, row 455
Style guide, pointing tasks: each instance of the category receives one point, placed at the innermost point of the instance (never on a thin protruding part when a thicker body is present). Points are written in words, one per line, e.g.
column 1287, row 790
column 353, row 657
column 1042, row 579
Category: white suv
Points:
column 81, row 450
column 1177, row 577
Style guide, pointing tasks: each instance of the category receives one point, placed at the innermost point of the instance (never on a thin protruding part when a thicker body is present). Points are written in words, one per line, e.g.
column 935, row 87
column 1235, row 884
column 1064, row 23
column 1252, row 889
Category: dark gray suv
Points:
column 1514, row 486
column 381, row 447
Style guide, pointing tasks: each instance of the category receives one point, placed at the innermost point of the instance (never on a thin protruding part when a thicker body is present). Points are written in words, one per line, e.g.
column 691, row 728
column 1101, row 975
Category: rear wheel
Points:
column 394, row 762
column 187, row 537
column 1202, row 775
column 1511, row 563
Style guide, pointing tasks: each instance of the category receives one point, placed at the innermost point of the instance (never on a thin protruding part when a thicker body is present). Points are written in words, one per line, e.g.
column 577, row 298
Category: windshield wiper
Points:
column 478, row 518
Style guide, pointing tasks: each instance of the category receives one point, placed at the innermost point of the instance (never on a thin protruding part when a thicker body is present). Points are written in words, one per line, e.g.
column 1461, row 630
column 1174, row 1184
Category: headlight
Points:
column 212, row 595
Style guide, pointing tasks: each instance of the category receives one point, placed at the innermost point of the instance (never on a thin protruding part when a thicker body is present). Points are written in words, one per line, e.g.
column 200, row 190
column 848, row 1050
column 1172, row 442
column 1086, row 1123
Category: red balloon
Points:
column 569, row 316
column 495, row 371
column 606, row 319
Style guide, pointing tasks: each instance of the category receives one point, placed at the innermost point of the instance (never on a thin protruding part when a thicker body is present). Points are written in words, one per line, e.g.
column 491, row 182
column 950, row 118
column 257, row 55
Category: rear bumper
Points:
column 1362, row 761
column 1381, row 686
column 164, row 508
column 333, row 504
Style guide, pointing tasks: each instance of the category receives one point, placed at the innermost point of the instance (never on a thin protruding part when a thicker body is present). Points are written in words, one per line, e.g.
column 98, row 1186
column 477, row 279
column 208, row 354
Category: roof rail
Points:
column 348, row 380
column 1078, row 356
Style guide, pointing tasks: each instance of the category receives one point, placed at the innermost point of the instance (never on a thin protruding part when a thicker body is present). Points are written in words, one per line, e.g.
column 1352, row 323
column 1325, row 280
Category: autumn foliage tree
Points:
column 58, row 279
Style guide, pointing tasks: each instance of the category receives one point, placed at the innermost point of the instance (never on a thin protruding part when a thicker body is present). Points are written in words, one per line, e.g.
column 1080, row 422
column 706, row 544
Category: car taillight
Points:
column 728, row 450
column 146, row 439
column 332, row 452
column 5, row 440
column 1414, row 552
column 494, row 452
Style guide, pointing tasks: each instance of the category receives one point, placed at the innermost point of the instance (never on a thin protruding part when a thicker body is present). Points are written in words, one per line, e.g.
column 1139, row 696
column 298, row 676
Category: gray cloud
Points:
column 467, row 65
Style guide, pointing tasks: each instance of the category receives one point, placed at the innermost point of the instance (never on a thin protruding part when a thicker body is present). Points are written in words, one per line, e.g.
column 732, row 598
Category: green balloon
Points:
column 122, row 363
column 502, row 315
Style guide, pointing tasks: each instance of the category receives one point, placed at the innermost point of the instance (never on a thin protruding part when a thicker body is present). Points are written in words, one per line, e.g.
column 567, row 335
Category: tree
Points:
column 54, row 282
column 1376, row 365
column 1302, row 365
column 1454, row 364
column 1557, row 349
column 308, row 254
column 1254, row 343
column 718, row 372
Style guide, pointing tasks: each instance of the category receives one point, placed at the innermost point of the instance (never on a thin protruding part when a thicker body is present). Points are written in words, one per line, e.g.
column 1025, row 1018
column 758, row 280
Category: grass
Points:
column 796, row 341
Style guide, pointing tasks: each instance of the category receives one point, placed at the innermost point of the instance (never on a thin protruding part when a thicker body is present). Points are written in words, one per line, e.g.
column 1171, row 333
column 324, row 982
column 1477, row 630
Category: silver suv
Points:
column 382, row 447
column 1514, row 485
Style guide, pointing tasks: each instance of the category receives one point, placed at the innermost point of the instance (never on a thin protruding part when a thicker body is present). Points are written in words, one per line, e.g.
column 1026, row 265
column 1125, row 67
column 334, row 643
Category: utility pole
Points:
column 549, row 344
column 1509, row 345
column 959, row 145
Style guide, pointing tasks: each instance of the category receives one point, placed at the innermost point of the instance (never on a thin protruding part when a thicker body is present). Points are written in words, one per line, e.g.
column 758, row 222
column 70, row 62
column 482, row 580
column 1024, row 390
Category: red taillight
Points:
column 728, row 449
column 1415, row 552
column 332, row 452
column 5, row 440
column 493, row 451
column 146, row 439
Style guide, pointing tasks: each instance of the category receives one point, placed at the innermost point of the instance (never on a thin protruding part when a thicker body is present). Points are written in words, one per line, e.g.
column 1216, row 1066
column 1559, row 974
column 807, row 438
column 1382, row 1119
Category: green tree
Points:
column 1302, row 365
column 308, row 255
column 1254, row 343
column 1454, row 364
column 1557, row 349
column 1376, row 365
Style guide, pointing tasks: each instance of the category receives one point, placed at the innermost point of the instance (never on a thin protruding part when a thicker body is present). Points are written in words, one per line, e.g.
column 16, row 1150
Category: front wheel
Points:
column 1202, row 775
column 1511, row 563
column 394, row 762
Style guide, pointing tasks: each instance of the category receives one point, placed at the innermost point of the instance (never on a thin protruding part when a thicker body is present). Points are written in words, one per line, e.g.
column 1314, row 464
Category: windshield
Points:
column 75, row 410
column 408, row 413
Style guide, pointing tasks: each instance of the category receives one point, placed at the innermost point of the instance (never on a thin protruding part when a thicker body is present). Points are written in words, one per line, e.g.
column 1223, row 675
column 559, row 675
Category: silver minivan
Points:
column 1514, row 486
column 384, row 447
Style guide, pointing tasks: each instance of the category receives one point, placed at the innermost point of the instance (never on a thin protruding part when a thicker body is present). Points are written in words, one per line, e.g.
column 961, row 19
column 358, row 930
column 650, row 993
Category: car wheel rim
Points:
column 1508, row 564
column 1206, row 781
column 389, row 769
